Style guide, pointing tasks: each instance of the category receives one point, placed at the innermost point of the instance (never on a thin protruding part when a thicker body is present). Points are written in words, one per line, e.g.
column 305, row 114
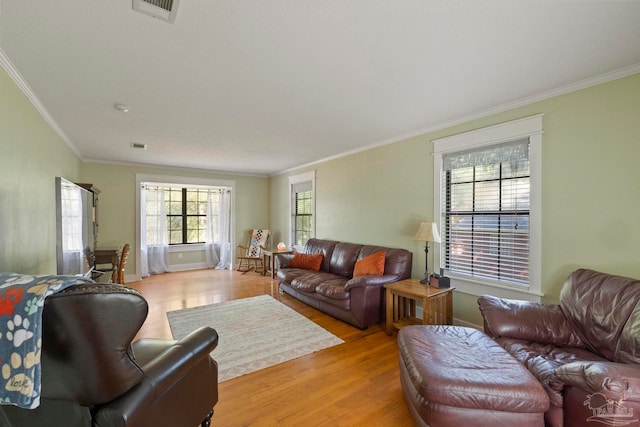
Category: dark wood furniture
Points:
column 106, row 256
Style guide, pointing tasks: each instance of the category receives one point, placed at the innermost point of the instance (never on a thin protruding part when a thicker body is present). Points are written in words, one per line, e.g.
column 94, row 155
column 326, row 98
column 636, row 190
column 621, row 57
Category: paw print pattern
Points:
column 31, row 306
column 46, row 287
column 17, row 280
column 14, row 373
column 15, row 334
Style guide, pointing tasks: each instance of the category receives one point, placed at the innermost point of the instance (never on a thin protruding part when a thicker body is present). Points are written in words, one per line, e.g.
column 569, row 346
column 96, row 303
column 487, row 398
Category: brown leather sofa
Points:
column 585, row 351
column 333, row 290
column 92, row 375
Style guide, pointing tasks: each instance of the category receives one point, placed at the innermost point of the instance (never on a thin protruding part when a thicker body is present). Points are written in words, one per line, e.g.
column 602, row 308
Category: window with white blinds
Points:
column 302, row 214
column 302, row 208
column 485, row 212
column 488, row 205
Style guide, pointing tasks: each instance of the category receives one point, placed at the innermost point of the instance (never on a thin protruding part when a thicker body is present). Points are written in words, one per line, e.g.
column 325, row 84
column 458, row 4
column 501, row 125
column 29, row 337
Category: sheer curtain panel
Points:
column 154, row 249
column 218, row 232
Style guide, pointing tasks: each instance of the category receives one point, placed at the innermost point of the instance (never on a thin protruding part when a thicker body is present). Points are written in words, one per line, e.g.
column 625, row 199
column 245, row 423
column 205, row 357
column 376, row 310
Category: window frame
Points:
column 185, row 215
column 528, row 127
column 297, row 179
column 185, row 181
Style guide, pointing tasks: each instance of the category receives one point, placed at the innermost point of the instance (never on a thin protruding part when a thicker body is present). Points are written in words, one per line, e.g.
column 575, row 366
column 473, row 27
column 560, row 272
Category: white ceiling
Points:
column 254, row 86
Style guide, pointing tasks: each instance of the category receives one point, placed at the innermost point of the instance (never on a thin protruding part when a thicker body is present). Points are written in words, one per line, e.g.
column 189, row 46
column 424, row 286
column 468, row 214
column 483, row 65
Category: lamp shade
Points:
column 428, row 232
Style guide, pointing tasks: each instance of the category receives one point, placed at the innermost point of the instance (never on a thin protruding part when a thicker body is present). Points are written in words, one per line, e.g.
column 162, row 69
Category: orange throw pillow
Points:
column 306, row 261
column 372, row 265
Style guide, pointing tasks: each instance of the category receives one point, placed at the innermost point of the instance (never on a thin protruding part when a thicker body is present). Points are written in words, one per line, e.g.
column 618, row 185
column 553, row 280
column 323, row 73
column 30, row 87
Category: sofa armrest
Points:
column 362, row 281
column 616, row 381
column 525, row 320
column 284, row 259
column 160, row 374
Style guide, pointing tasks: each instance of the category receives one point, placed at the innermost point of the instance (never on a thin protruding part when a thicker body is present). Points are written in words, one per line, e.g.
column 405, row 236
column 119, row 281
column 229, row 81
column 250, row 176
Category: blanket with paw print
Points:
column 21, row 305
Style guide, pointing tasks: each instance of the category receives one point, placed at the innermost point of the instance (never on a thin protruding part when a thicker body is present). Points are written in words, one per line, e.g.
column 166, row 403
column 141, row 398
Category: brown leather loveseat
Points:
column 333, row 289
column 585, row 351
column 94, row 376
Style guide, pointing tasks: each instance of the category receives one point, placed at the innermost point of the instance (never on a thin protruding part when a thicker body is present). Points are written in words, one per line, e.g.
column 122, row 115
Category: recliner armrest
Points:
column 160, row 374
column 165, row 368
column 616, row 381
column 525, row 320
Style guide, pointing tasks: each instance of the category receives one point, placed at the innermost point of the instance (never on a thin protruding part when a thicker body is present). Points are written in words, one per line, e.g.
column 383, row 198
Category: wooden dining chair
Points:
column 122, row 261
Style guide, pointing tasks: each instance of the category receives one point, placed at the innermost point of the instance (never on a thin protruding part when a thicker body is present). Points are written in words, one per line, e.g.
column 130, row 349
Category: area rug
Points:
column 254, row 333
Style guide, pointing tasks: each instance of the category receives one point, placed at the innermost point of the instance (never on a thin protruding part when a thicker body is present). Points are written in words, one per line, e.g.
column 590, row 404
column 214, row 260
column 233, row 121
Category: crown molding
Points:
column 562, row 90
column 17, row 78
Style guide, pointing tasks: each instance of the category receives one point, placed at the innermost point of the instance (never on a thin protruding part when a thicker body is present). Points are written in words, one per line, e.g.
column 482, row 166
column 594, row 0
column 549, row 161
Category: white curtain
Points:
column 154, row 251
column 218, row 232
column 73, row 259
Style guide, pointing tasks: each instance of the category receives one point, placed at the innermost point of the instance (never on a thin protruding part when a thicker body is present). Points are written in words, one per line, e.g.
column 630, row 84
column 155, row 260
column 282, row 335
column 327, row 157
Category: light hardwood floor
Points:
column 352, row 384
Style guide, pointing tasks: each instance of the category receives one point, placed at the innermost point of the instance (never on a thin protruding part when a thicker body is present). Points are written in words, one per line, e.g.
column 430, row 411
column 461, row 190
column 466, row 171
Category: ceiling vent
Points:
column 139, row 146
column 164, row 10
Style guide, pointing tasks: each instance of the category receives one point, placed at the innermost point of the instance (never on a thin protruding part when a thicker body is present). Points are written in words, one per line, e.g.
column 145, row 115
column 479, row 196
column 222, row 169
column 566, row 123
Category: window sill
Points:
column 187, row 248
column 478, row 288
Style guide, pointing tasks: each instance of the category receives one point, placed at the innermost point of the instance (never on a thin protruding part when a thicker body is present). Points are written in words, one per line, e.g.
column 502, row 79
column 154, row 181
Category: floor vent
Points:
column 164, row 10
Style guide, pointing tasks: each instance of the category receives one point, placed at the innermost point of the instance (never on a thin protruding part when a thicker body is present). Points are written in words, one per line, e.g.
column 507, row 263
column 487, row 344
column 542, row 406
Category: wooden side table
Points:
column 437, row 304
column 272, row 261
column 107, row 256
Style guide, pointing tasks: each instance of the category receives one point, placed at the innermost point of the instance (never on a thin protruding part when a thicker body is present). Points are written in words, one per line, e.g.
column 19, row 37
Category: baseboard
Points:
column 456, row 322
column 185, row 267
column 175, row 267
column 459, row 322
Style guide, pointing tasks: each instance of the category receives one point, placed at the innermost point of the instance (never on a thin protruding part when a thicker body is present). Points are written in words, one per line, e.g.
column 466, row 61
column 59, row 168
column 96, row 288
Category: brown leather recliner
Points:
column 585, row 351
column 93, row 375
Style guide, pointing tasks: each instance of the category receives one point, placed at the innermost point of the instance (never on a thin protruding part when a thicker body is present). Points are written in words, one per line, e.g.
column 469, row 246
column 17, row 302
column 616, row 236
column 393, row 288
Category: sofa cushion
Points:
column 605, row 311
column 372, row 265
column 325, row 247
column 311, row 280
column 542, row 360
column 287, row 275
column 307, row 261
column 334, row 289
column 396, row 262
column 344, row 258
column 546, row 323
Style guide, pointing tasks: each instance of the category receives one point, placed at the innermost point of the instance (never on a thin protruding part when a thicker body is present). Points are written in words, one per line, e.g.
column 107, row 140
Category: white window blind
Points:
column 302, row 212
column 485, row 212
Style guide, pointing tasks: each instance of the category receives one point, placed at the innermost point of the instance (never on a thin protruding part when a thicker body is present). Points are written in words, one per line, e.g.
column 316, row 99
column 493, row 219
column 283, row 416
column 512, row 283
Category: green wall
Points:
column 32, row 156
column 117, row 211
column 591, row 188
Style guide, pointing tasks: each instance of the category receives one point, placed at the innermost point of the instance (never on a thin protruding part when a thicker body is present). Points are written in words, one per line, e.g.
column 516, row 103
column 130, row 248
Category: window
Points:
column 302, row 208
column 487, row 185
column 186, row 210
column 486, row 212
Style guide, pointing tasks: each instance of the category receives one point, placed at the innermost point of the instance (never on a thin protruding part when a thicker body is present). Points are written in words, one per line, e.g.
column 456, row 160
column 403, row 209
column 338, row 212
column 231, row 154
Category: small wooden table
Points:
column 107, row 256
column 437, row 304
column 272, row 261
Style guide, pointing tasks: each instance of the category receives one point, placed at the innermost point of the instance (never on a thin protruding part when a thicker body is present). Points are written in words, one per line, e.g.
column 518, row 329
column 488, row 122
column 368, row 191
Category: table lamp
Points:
column 428, row 232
